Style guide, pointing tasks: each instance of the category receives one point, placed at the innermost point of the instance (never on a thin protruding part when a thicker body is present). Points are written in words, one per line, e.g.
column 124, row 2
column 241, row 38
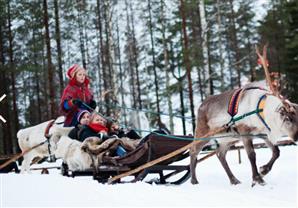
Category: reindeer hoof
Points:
column 235, row 181
column 194, row 181
column 258, row 180
column 264, row 170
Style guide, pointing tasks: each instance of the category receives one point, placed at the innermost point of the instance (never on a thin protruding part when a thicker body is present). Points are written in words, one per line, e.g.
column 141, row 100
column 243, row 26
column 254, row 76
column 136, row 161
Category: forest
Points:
column 163, row 57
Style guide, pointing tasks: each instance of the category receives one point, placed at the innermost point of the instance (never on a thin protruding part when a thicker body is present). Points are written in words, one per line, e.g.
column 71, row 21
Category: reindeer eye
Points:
column 288, row 119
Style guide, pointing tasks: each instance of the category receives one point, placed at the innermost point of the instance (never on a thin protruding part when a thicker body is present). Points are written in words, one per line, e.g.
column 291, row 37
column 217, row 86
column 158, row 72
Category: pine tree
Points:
column 51, row 74
column 58, row 43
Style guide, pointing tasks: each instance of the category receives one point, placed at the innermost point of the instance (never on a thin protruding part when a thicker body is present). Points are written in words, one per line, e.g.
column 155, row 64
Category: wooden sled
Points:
column 152, row 147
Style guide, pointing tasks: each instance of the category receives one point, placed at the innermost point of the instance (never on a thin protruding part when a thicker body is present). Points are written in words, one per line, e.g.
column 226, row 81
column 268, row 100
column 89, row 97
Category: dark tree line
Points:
column 162, row 56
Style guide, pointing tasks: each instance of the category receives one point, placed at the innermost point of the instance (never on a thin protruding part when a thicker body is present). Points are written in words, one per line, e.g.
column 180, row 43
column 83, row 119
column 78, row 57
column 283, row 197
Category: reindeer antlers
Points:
column 264, row 62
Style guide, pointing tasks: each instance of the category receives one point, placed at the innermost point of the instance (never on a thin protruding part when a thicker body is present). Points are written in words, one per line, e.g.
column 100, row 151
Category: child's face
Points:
column 99, row 120
column 81, row 75
column 114, row 127
column 85, row 119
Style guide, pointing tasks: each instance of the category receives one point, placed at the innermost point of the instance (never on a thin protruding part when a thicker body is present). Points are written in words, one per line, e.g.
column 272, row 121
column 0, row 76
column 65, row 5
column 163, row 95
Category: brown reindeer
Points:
column 277, row 117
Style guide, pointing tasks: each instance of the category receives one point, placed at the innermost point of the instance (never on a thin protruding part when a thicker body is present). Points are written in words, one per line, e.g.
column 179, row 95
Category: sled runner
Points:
column 152, row 147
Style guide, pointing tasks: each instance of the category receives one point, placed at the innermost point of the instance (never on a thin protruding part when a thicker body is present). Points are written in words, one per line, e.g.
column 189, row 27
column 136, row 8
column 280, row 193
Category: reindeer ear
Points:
column 84, row 148
column 282, row 110
column 285, row 114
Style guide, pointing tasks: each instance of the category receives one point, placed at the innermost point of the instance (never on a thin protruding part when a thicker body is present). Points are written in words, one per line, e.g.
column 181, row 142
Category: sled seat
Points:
column 150, row 148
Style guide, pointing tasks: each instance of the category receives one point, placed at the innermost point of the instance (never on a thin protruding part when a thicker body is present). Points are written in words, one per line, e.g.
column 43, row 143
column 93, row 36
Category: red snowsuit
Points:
column 74, row 90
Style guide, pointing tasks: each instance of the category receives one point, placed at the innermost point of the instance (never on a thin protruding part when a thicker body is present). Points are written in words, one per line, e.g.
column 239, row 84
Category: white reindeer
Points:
column 73, row 153
column 280, row 117
column 31, row 136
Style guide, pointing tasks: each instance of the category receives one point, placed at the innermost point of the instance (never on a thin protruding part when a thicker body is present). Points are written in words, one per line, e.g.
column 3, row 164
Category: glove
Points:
column 104, row 137
column 77, row 102
column 92, row 104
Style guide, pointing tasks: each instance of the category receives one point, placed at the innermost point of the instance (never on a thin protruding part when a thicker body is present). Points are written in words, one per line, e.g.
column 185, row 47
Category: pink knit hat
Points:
column 72, row 71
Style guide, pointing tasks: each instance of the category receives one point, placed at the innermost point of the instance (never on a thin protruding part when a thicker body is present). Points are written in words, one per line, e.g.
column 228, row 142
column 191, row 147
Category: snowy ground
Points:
column 35, row 190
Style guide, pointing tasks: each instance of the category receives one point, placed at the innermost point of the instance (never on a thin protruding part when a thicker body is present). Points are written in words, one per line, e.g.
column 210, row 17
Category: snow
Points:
column 35, row 190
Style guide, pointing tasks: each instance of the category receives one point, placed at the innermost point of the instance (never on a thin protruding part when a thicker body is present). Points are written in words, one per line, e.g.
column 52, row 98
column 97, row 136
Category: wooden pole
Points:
column 211, row 154
column 165, row 157
column 20, row 155
column 206, row 157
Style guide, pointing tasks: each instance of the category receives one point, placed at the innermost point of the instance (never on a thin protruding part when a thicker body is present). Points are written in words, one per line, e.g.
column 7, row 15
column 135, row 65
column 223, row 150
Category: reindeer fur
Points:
column 213, row 114
column 34, row 135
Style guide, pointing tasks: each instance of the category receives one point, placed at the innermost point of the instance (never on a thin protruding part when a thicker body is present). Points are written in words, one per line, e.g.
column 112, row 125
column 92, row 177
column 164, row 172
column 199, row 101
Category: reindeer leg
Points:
column 221, row 154
column 27, row 161
column 275, row 154
column 194, row 151
column 248, row 145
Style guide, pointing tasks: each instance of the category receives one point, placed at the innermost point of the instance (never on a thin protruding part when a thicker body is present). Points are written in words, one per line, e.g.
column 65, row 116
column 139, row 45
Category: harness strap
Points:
column 234, row 102
column 48, row 136
column 261, row 105
column 236, row 97
column 46, row 133
column 259, row 111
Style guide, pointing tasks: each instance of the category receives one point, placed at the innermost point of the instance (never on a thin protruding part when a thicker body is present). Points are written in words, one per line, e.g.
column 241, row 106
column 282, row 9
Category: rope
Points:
column 194, row 139
column 145, row 110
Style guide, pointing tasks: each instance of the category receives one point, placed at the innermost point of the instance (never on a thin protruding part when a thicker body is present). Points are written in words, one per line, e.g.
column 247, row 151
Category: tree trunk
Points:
column 235, row 43
column 130, row 57
column 250, row 58
column 99, row 61
column 187, row 63
column 37, row 88
column 182, row 102
column 10, row 143
column 102, row 50
column 6, row 127
column 154, row 63
column 228, row 51
column 49, row 60
column 166, row 66
column 121, row 75
column 221, row 60
column 210, row 70
column 58, row 42
column 135, row 56
column 107, row 54
column 45, row 86
column 81, row 33
column 180, row 86
column 206, row 71
column 197, row 38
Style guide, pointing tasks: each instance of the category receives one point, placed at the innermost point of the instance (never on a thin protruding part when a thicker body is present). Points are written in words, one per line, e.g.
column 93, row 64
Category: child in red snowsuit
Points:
column 75, row 95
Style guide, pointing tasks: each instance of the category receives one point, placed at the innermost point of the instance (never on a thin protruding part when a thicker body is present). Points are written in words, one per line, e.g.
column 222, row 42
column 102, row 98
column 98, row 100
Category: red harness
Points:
column 46, row 133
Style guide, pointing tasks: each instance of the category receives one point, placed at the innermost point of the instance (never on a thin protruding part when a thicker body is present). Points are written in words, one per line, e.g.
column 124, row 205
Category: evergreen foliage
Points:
column 136, row 50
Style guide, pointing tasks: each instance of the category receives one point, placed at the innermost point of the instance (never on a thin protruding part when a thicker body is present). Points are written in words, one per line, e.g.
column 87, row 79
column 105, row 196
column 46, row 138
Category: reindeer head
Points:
column 290, row 120
column 284, row 119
